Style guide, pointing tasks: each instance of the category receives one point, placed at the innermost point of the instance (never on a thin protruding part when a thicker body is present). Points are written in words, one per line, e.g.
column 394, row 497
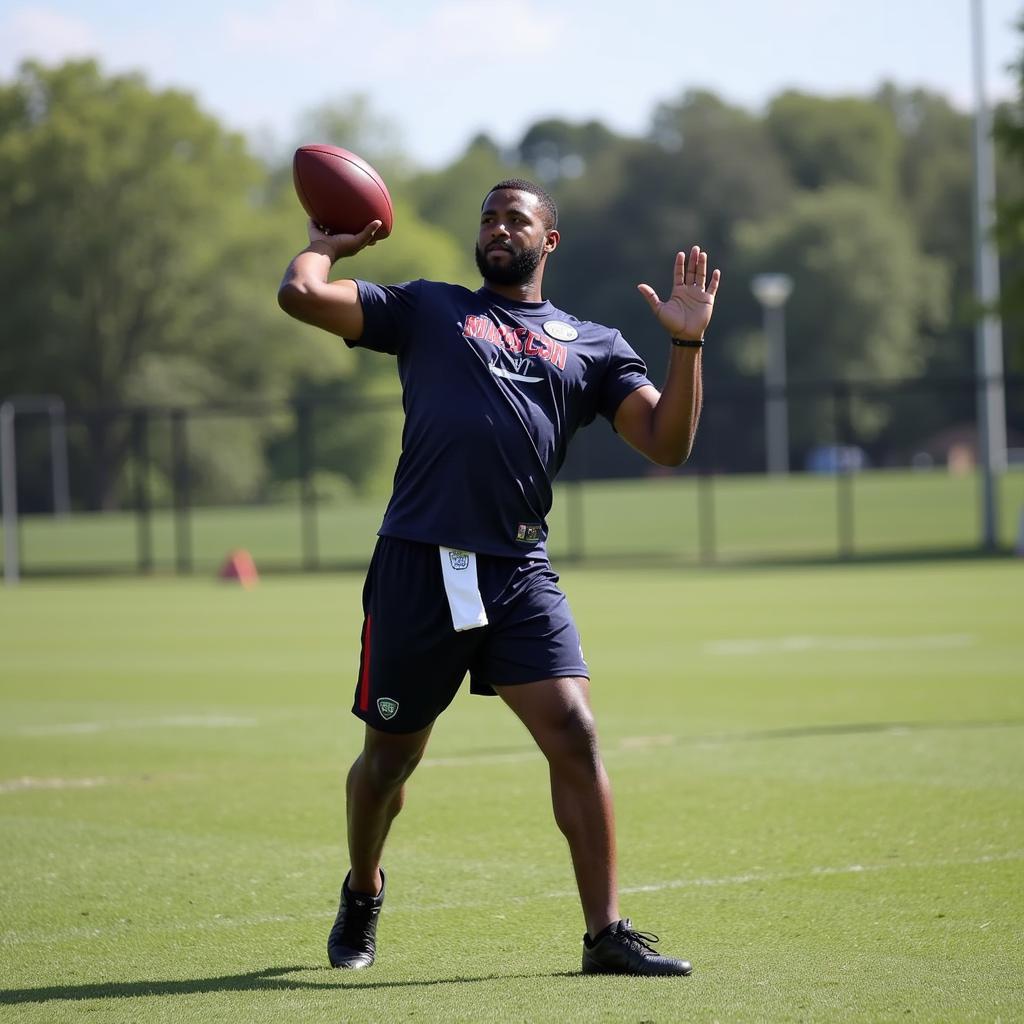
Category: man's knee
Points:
column 387, row 761
column 572, row 736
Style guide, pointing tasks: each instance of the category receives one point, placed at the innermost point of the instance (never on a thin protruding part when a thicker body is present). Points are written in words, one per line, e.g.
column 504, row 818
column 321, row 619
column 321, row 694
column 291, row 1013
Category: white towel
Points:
column 460, row 584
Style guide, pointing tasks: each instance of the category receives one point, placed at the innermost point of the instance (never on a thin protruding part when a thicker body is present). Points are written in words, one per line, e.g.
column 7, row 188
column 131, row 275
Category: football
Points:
column 340, row 191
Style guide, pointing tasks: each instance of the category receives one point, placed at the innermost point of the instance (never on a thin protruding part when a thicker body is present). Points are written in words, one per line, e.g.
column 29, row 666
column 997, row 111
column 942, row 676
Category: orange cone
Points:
column 240, row 567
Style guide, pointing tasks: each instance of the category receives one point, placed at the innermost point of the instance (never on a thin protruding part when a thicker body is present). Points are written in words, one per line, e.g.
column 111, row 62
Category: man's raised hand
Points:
column 338, row 246
column 687, row 311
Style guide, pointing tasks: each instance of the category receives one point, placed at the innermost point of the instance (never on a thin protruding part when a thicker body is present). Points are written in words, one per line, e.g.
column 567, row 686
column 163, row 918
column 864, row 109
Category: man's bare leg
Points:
column 557, row 713
column 376, row 792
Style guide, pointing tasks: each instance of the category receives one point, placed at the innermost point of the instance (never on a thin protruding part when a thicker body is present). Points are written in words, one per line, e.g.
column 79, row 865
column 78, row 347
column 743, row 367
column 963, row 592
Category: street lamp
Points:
column 772, row 291
column 988, row 345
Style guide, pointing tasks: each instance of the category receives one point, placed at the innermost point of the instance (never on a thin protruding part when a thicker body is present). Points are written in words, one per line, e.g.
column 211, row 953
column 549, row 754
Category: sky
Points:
column 444, row 70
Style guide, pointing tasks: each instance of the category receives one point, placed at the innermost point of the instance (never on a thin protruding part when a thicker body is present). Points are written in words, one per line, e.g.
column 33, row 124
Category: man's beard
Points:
column 517, row 270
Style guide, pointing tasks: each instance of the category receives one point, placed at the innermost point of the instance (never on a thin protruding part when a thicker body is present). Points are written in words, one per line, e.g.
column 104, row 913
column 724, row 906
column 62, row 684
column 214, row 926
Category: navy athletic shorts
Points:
column 413, row 661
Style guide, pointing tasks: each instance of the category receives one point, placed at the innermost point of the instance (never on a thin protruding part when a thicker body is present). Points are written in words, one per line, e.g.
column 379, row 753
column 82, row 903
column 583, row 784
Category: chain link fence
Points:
column 876, row 470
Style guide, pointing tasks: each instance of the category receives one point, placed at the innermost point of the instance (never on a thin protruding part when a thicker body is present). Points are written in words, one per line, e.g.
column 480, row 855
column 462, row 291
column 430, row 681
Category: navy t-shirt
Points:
column 493, row 391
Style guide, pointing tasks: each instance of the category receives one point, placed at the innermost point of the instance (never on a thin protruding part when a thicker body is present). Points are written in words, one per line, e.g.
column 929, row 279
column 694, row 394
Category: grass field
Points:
column 752, row 517
column 819, row 776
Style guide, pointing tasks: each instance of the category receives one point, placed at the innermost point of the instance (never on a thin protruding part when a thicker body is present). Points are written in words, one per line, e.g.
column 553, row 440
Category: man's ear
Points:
column 551, row 240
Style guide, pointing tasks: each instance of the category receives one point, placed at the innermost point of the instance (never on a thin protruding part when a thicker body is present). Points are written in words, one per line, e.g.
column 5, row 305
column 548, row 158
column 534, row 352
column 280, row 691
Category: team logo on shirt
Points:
column 387, row 707
column 561, row 330
column 519, row 341
column 459, row 559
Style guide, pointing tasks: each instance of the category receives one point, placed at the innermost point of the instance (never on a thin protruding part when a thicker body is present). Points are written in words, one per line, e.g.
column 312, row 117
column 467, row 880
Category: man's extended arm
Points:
column 306, row 294
column 662, row 425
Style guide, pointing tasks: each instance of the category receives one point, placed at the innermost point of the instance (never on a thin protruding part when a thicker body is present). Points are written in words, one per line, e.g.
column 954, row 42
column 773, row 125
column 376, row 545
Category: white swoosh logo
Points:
column 509, row 375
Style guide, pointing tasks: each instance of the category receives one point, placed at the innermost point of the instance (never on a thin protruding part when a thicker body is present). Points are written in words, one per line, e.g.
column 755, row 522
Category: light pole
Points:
column 772, row 291
column 988, row 338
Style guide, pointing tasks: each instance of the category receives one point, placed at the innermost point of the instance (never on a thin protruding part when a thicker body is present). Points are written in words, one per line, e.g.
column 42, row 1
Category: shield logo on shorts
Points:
column 387, row 707
column 459, row 559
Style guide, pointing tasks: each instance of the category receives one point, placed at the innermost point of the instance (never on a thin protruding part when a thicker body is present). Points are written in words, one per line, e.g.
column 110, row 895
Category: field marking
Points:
column 815, row 872
column 324, row 913
column 806, row 644
column 647, row 742
column 163, row 722
column 28, row 782
column 514, row 757
column 458, row 762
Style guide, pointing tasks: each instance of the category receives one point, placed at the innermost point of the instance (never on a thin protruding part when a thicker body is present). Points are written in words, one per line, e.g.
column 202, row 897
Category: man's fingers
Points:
column 701, row 269
column 650, row 295
column 368, row 232
column 713, row 283
column 691, row 267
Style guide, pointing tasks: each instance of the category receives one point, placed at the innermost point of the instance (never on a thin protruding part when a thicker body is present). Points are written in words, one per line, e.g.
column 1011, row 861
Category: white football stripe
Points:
column 325, row 912
column 164, row 722
column 27, row 782
column 803, row 644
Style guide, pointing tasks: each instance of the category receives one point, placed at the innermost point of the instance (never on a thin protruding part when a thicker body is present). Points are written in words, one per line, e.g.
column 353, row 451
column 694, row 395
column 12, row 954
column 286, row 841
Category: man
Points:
column 495, row 383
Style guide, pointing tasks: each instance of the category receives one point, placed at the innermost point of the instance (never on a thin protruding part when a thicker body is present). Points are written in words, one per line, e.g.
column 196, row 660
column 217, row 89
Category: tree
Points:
column 142, row 248
column 555, row 150
column 863, row 301
column 835, row 141
column 133, row 246
column 703, row 166
column 450, row 198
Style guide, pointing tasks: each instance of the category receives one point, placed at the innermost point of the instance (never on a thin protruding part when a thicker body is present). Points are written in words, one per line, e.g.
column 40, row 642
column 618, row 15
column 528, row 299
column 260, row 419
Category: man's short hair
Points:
column 547, row 204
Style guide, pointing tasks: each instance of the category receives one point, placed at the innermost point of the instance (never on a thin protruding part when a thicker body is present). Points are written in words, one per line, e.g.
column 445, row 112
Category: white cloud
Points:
column 321, row 29
column 444, row 69
column 493, row 33
column 44, row 34
column 347, row 37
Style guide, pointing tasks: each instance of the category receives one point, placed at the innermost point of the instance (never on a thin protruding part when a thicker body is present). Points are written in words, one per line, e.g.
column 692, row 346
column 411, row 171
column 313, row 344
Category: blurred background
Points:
column 858, row 175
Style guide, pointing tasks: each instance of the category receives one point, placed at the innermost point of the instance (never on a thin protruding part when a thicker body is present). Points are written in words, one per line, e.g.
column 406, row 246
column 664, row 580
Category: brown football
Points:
column 341, row 191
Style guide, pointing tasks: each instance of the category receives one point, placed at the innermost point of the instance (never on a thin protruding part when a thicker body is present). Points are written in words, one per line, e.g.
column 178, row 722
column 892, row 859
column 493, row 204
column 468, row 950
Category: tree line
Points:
column 143, row 242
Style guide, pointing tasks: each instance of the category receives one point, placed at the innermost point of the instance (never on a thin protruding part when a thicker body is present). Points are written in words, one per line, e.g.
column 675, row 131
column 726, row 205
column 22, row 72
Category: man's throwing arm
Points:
column 305, row 292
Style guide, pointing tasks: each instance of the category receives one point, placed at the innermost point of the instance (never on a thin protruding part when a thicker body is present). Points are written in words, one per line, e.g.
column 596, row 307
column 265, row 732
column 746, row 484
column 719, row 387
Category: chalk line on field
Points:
column 161, row 722
column 627, row 743
column 848, row 644
column 324, row 913
column 814, row 872
column 472, row 759
column 28, row 782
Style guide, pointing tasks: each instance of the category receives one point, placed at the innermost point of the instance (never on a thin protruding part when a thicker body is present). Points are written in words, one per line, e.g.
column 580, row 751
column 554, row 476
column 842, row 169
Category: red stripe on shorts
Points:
column 364, row 677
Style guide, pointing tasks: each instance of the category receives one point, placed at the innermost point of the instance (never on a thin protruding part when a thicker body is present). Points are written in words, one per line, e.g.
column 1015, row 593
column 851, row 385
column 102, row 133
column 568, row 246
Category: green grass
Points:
column 819, row 779
column 754, row 517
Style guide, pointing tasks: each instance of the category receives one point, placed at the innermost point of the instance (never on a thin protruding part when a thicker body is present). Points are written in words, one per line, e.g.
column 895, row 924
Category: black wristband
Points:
column 687, row 343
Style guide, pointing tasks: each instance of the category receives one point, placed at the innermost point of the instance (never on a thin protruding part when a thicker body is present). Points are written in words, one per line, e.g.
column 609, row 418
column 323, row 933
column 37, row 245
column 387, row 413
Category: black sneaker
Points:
column 353, row 939
column 620, row 949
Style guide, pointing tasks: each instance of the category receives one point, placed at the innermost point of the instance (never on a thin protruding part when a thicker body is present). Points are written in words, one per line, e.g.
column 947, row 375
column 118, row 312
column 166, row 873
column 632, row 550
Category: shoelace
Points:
column 643, row 939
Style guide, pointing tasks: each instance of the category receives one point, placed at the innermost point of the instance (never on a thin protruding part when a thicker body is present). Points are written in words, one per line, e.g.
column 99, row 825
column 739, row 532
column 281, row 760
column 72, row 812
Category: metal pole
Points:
column 59, row 458
column 988, row 344
column 143, row 506
column 182, row 498
column 9, row 472
column 844, row 472
column 772, row 291
column 776, row 410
